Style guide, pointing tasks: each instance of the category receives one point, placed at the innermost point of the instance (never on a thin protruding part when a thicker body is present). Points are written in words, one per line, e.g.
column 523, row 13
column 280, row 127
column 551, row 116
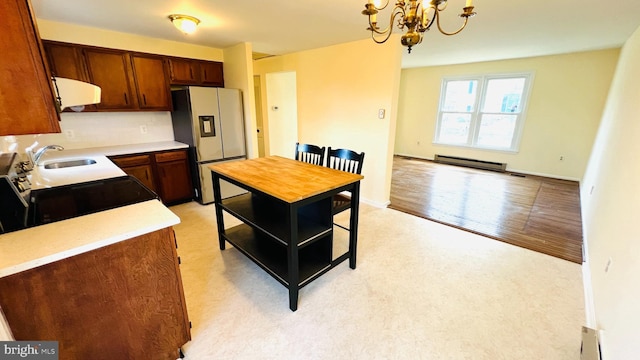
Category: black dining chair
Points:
column 344, row 160
column 311, row 154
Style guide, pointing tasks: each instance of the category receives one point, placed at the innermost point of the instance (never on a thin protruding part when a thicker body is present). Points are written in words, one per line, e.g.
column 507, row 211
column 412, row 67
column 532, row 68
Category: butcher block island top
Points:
column 286, row 179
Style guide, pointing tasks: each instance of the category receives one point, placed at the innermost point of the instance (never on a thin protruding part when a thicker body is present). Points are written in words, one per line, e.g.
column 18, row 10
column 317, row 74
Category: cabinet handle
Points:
column 191, row 73
column 205, row 73
column 126, row 101
column 144, row 97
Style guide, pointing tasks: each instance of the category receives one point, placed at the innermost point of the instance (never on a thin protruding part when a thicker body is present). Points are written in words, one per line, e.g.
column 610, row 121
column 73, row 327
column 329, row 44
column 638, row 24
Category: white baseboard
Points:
column 377, row 204
column 544, row 175
column 589, row 306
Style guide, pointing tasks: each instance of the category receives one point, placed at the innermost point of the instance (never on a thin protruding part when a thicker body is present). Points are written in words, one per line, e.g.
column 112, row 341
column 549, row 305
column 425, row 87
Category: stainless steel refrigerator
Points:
column 210, row 120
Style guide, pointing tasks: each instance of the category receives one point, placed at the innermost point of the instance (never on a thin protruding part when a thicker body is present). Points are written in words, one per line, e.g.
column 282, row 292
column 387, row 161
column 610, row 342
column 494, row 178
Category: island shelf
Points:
column 286, row 214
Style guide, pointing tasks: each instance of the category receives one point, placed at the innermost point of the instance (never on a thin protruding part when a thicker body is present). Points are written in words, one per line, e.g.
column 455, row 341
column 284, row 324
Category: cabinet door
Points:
column 65, row 61
column 111, row 70
column 174, row 176
column 183, row 71
column 27, row 103
column 144, row 173
column 211, row 73
column 151, row 83
column 131, row 289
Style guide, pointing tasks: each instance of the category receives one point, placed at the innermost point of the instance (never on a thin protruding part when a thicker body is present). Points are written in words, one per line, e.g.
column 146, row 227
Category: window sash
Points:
column 480, row 126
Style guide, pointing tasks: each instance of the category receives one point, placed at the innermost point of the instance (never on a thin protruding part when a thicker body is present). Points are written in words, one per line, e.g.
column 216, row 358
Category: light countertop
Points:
column 42, row 177
column 36, row 246
column 123, row 149
column 29, row 248
column 103, row 168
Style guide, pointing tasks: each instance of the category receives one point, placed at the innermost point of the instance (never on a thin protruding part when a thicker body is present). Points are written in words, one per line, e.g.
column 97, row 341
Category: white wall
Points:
column 567, row 98
column 238, row 74
column 340, row 89
column 610, row 198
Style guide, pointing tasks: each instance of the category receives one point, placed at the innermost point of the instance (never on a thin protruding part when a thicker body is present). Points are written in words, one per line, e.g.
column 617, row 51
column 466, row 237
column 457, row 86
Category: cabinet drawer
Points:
column 132, row 160
column 171, row 156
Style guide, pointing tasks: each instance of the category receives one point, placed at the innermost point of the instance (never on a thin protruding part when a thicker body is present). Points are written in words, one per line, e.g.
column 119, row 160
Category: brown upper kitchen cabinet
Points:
column 65, row 60
column 111, row 71
column 151, row 82
column 211, row 73
column 183, row 71
column 195, row 72
column 27, row 103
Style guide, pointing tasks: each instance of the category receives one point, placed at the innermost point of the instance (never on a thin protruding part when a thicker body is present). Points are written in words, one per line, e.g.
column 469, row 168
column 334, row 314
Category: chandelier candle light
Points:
column 415, row 17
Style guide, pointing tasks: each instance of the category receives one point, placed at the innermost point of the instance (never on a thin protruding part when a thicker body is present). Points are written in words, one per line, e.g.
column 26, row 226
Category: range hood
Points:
column 73, row 93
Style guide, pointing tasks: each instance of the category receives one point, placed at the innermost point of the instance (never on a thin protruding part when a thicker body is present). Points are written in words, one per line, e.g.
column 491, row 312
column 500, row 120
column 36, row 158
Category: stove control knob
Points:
column 24, row 166
column 21, row 184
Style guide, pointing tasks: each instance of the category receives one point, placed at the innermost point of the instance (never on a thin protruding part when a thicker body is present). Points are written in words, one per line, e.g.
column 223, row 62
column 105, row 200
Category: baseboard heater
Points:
column 473, row 163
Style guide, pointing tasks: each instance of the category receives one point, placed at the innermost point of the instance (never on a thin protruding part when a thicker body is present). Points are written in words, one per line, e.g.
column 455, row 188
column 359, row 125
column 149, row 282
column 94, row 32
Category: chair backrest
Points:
column 311, row 154
column 345, row 160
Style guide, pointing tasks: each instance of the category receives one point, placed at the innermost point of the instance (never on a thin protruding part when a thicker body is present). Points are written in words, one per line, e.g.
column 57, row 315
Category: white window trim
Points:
column 473, row 132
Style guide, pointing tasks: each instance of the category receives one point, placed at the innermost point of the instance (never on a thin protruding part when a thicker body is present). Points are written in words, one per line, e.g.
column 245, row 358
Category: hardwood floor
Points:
column 532, row 212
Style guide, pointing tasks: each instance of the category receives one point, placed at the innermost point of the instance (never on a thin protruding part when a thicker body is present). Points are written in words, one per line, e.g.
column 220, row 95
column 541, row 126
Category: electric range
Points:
column 22, row 207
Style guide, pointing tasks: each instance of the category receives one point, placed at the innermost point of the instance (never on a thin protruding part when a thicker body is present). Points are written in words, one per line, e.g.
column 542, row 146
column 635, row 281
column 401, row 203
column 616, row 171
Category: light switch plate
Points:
column 381, row 114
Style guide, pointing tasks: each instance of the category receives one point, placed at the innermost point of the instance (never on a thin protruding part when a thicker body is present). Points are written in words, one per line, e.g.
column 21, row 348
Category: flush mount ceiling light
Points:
column 185, row 23
column 415, row 15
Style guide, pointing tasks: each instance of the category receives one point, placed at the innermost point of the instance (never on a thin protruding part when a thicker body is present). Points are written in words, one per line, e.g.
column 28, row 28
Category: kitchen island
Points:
column 287, row 217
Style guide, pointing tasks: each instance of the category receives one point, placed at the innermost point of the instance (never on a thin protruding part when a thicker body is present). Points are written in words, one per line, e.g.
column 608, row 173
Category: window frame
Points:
column 476, row 114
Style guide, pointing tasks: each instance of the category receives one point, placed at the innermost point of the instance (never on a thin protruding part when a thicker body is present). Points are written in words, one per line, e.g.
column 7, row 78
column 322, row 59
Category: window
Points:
column 484, row 112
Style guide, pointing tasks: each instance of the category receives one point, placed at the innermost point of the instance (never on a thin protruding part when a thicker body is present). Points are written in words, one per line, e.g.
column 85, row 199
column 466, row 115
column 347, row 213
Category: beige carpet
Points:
column 421, row 290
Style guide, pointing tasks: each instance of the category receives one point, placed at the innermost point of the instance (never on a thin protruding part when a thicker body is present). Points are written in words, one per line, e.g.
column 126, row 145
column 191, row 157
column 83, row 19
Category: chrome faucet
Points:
column 35, row 157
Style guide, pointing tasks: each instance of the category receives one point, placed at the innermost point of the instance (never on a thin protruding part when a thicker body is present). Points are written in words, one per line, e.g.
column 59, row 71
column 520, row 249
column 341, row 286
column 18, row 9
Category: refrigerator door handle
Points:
column 207, row 126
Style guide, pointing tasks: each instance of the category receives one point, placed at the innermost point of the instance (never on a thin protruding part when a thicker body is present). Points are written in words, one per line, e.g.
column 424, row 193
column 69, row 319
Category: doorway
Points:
column 282, row 114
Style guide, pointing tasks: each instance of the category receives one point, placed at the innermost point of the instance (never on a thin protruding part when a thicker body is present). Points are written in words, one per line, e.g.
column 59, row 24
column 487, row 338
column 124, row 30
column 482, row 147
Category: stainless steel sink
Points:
column 69, row 163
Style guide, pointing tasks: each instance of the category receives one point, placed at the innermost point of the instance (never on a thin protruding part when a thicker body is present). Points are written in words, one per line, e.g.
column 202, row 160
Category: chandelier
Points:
column 415, row 17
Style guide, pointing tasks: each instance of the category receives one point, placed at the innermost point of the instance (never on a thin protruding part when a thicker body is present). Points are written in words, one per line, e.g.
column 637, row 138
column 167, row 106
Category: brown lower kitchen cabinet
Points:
column 122, row 301
column 174, row 178
column 139, row 166
column 165, row 172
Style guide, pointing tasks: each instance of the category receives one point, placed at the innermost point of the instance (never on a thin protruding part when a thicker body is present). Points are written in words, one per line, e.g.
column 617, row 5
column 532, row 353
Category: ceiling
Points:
column 501, row 29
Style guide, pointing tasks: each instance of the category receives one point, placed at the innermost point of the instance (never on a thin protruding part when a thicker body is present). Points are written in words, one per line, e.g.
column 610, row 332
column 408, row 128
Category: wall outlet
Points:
column 561, row 158
column 381, row 114
column 70, row 134
column 143, row 129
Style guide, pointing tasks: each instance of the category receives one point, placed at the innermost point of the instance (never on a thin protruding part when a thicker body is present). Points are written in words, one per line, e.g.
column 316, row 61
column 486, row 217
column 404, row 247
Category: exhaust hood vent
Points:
column 73, row 93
